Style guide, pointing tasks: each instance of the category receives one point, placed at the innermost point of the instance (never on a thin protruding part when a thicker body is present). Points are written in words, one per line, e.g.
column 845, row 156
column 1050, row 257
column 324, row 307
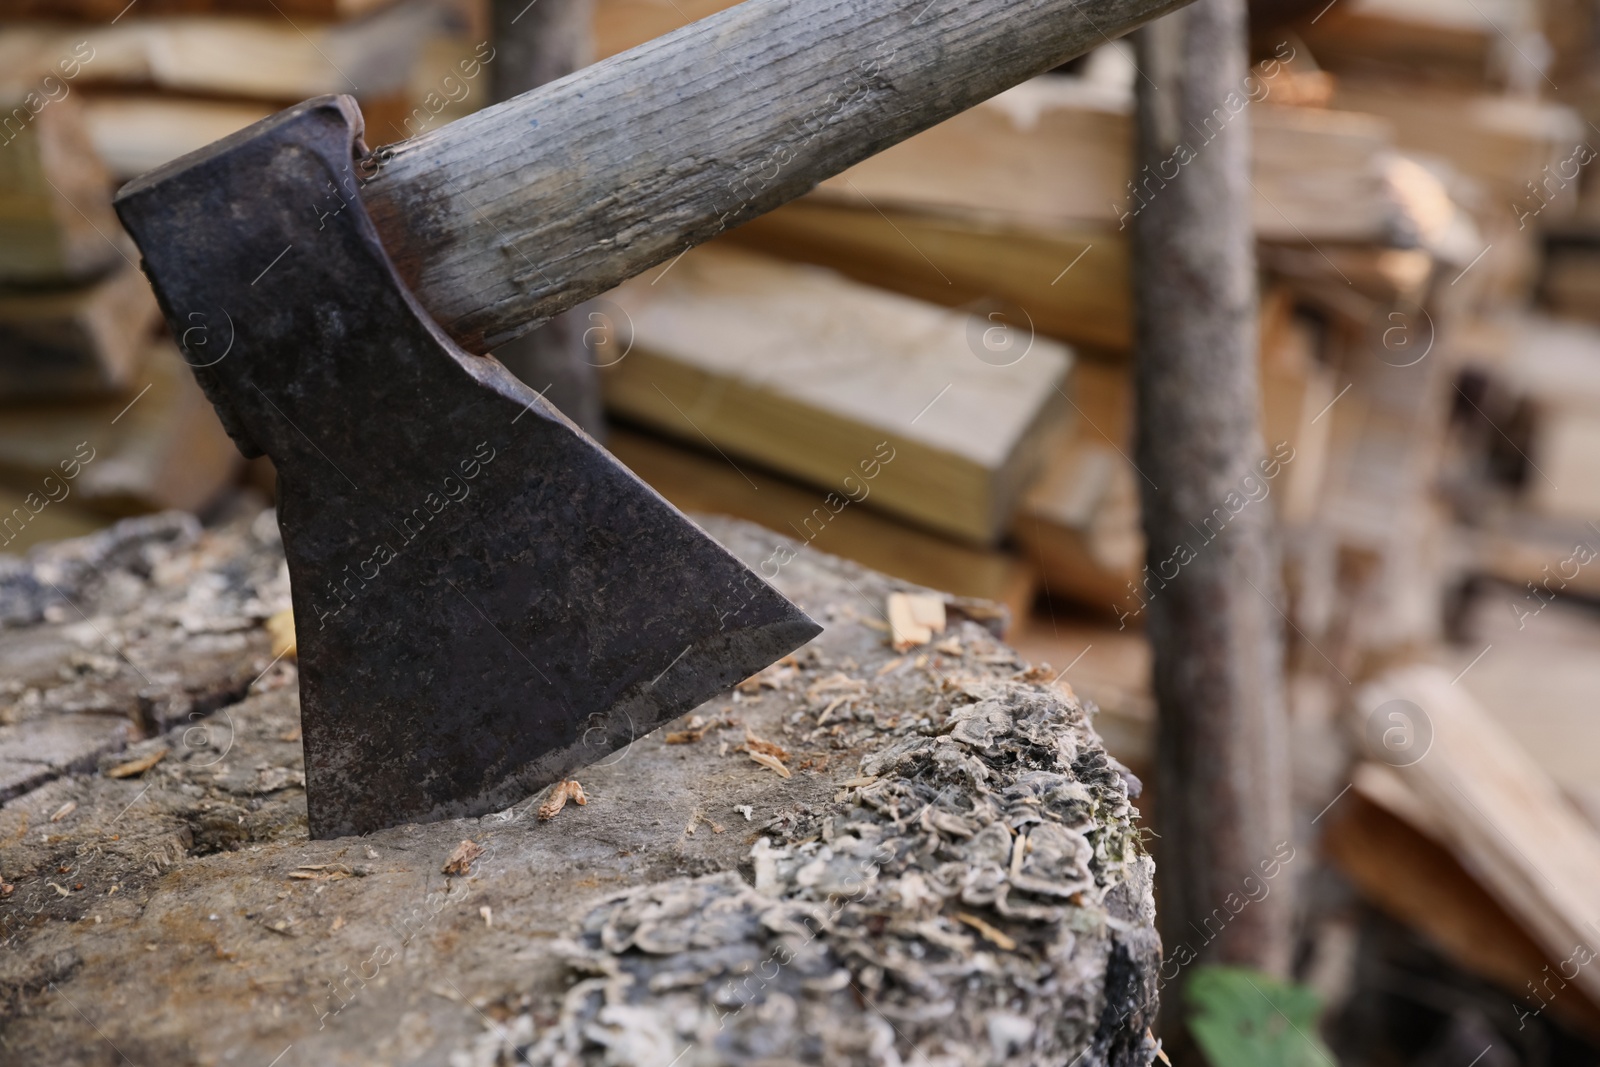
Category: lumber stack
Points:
column 95, row 93
column 172, row 76
column 899, row 402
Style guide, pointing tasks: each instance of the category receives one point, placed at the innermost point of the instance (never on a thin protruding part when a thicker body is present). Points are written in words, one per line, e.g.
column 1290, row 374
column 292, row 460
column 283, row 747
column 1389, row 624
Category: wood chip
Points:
column 771, row 676
column 835, row 702
column 836, row 682
column 563, row 791
column 696, row 729
column 64, row 810
column 752, row 743
column 891, row 665
column 989, row 933
column 291, row 734
column 138, row 766
column 914, row 618
column 771, row 761
column 281, row 627
column 460, row 861
column 321, row 872
column 488, row 916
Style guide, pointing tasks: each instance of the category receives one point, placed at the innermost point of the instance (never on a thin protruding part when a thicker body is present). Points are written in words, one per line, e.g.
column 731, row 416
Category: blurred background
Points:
column 1428, row 231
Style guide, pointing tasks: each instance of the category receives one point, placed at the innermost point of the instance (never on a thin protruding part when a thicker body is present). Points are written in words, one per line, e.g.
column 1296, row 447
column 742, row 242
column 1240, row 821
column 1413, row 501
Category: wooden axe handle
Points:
column 508, row 216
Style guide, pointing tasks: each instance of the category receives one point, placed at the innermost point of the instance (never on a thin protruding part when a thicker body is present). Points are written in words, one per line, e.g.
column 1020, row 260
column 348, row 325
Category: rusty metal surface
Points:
column 485, row 598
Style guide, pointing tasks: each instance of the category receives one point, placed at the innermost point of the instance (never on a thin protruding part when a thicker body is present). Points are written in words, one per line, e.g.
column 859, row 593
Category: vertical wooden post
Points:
column 1212, row 583
column 539, row 41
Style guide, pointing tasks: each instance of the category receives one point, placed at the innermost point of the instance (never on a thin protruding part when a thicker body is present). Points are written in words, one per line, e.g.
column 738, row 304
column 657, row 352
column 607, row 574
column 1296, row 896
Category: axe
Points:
column 484, row 598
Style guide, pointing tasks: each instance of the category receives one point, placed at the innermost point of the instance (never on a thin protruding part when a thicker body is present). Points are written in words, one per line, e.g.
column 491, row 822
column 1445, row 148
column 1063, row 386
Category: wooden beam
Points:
column 828, row 381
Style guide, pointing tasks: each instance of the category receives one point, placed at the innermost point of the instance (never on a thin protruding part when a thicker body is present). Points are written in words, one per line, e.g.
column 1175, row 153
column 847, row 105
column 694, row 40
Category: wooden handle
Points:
column 506, row 217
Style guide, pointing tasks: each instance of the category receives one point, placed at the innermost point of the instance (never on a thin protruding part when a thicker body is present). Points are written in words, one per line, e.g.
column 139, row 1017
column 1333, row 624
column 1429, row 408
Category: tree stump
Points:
column 859, row 856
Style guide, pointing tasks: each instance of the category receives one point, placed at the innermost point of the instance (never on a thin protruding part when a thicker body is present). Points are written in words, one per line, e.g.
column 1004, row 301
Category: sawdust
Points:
column 771, row 762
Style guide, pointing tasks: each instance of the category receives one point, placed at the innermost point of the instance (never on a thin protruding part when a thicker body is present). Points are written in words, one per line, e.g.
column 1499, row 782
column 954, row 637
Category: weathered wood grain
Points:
column 950, row 873
column 504, row 218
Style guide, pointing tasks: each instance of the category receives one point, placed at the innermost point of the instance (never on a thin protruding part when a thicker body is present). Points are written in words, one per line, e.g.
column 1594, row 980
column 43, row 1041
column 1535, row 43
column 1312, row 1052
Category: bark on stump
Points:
column 952, row 868
column 1212, row 574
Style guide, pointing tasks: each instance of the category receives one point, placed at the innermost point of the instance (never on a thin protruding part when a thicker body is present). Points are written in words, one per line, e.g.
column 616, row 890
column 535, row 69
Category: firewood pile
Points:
column 924, row 367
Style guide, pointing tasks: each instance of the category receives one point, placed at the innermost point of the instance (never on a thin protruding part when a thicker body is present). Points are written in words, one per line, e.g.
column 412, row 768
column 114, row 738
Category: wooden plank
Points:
column 265, row 58
column 136, row 133
column 56, row 223
column 822, row 379
column 1296, row 388
column 1055, row 153
column 75, row 343
column 1052, row 152
column 1505, row 820
column 1416, row 880
column 1553, row 367
column 704, row 482
column 61, row 519
column 1078, row 524
column 157, row 446
column 623, row 24
column 1537, row 678
column 1073, row 283
column 1427, row 41
column 106, row 10
column 1502, row 140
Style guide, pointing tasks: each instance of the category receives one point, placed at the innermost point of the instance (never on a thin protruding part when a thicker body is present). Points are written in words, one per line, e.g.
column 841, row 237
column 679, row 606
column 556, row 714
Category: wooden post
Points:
column 1208, row 595
column 539, row 41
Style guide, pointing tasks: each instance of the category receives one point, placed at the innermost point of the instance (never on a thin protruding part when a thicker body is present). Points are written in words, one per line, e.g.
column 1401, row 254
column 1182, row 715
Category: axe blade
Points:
column 485, row 599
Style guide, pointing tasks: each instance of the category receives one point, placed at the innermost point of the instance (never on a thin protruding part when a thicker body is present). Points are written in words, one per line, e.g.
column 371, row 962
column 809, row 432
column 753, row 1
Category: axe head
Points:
column 484, row 598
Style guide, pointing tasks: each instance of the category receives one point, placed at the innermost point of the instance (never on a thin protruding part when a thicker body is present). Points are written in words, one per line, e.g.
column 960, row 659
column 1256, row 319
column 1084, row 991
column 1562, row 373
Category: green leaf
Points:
column 1244, row 1018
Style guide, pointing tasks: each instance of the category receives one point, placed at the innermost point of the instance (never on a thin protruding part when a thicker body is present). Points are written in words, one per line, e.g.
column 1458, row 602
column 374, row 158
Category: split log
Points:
column 76, row 343
column 951, row 866
column 158, row 445
column 56, row 223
